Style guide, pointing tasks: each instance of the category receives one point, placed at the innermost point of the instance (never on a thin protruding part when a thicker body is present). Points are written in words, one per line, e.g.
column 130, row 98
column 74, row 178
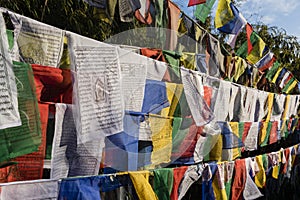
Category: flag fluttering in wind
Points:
column 202, row 10
column 196, row 2
column 266, row 62
column 224, row 13
column 231, row 24
column 254, row 48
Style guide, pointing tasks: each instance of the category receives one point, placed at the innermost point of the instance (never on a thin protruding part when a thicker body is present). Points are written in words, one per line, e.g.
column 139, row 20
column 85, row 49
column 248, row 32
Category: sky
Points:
column 281, row 13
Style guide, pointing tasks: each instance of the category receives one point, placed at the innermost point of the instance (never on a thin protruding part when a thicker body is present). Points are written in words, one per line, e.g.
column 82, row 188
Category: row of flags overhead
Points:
column 229, row 20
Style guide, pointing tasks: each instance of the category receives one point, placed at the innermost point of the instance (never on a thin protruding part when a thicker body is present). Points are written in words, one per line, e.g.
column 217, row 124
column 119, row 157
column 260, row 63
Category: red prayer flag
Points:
column 178, row 174
column 31, row 166
column 273, row 133
column 239, row 181
column 249, row 31
column 268, row 65
column 196, row 2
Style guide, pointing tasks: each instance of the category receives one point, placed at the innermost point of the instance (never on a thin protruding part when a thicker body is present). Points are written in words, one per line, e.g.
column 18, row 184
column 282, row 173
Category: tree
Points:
column 72, row 15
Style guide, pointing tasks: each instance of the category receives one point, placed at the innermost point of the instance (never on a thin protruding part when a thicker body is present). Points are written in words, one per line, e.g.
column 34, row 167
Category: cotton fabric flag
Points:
column 31, row 166
column 163, row 183
column 239, row 181
column 155, row 97
column 36, row 42
column 143, row 14
column 249, row 31
column 273, row 70
column 214, row 57
column 80, row 188
column 28, row 190
column 196, row 2
column 9, row 113
column 69, row 158
column 192, row 174
column 99, row 107
column 174, row 16
column 207, row 181
column 219, row 182
column 234, row 26
column 209, row 145
column 224, row 13
column 290, row 85
column 253, row 49
column 142, row 186
column 53, row 84
column 178, row 174
column 203, row 10
column 124, row 144
column 161, row 129
column 266, row 62
column 24, row 139
column 221, row 109
column 127, row 9
column 230, row 139
column 193, row 88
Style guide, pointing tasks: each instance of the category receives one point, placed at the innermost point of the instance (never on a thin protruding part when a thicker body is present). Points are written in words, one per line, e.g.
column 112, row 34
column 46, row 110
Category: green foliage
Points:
column 72, row 15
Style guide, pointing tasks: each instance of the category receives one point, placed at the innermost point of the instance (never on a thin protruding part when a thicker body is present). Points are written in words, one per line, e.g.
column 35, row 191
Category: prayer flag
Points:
column 163, row 183
column 235, row 26
column 202, row 10
column 274, row 69
column 196, row 2
column 224, row 13
column 249, row 31
column 253, row 49
column 266, row 62
column 290, row 85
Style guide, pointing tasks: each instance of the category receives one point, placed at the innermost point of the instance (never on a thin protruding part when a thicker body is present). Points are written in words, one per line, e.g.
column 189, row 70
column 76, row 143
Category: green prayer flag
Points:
column 288, row 87
column 179, row 132
column 10, row 37
column 173, row 58
column 163, row 183
column 271, row 73
column 203, row 10
column 24, row 139
column 243, row 50
column 266, row 139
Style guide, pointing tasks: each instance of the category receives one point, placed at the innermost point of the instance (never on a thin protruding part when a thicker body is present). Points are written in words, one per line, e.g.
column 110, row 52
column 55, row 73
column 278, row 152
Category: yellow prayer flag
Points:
column 161, row 129
column 224, row 13
column 263, row 132
column 188, row 60
column 240, row 67
column 257, row 51
column 275, row 172
column 270, row 106
column 236, row 152
column 181, row 27
column 292, row 86
column 260, row 177
column 142, row 186
column 176, row 98
column 170, row 87
column 276, row 75
column 286, row 107
column 218, row 183
column 216, row 152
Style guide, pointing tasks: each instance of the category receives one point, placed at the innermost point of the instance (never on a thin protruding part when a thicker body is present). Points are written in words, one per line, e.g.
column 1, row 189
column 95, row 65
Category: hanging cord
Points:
column 44, row 9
